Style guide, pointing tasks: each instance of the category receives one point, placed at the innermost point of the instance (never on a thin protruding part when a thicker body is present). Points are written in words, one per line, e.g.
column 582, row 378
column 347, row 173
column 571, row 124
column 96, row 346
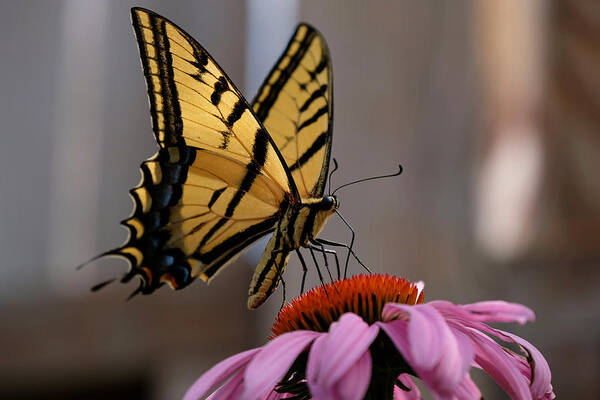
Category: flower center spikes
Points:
column 364, row 295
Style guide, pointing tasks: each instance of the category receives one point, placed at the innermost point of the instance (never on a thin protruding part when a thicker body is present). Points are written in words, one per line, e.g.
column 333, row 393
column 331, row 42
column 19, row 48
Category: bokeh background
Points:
column 493, row 109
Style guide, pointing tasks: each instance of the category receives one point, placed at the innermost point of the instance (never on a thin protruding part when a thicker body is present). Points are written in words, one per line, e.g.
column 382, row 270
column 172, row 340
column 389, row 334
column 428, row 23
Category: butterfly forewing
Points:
column 192, row 100
column 295, row 104
column 218, row 182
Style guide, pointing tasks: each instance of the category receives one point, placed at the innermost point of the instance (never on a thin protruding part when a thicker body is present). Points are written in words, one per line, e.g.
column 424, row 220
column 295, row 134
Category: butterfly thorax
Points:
column 303, row 221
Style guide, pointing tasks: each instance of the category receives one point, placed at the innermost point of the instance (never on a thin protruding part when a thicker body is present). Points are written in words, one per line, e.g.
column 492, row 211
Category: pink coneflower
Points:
column 369, row 336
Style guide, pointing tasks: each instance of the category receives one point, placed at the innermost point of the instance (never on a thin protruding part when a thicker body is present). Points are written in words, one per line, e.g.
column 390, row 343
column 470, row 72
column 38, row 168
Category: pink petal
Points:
column 462, row 317
column 424, row 328
column 485, row 311
column 423, row 345
column 332, row 355
column 413, row 394
column 467, row 389
column 355, row 383
column 392, row 311
column 466, row 350
column 271, row 396
column 231, row 389
column 467, row 323
column 276, row 396
column 541, row 386
column 274, row 360
column 313, row 366
column 500, row 311
column 219, row 373
column 500, row 365
column 397, row 331
column 439, row 355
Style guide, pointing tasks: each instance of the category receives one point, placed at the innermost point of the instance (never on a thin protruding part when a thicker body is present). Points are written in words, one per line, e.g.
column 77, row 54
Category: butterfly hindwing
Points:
column 190, row 217
column 295, row 104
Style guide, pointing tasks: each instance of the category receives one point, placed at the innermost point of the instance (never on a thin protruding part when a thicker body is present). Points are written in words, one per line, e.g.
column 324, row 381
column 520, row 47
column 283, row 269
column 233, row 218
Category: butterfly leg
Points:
column 337, row 262
column 328, row 251
column 350, row 251
column 304, row 270
column 321, row 249
column 312, row 253
column 351, row 244
column 319, row 246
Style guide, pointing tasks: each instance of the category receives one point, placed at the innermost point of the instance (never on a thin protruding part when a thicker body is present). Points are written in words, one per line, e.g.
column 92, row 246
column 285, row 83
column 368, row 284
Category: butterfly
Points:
column 228, row 173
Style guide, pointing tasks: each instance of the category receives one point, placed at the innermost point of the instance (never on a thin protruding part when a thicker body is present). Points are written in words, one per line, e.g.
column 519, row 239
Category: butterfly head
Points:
column 329, row 203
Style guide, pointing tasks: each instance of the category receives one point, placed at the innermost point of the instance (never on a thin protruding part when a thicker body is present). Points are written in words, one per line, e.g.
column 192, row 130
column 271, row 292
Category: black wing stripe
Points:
column 220, row 254
column 321, row 111
column 312, row 150
column 236, row 112
column 198, row 53
column 259, row 152
column 213, row 230
column 259, row 155
column 265, row 106
column 319, row 68
column 215, row 196
column 171, row 109
column 320, row 92
column 137, row 26
column 220, row 87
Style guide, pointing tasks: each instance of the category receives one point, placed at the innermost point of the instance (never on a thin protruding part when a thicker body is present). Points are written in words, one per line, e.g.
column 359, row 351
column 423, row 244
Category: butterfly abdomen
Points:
column 268, row 272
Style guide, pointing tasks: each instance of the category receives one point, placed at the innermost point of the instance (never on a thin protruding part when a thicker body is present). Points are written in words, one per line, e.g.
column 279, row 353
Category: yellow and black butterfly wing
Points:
column 192, row 101
column 218, row 181
column 295, row 104
column 192, row 215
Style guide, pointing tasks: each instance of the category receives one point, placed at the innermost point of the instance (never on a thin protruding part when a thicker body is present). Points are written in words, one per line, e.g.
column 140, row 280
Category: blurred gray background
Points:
column 493, row 109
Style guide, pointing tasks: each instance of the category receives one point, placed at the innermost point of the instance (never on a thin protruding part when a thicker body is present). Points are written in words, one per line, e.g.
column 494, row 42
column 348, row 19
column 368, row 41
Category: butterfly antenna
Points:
column 370, row 179
column 335, row 168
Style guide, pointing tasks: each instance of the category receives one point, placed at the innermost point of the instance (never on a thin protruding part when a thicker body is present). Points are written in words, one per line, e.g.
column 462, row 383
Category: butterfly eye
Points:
column 329, row 203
